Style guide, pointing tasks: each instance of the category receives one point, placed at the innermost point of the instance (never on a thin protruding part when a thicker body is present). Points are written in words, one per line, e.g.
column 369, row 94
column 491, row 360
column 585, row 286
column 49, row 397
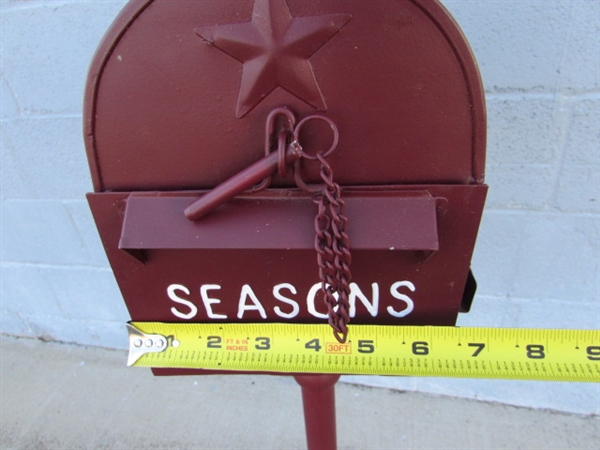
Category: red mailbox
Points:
column 183, row 95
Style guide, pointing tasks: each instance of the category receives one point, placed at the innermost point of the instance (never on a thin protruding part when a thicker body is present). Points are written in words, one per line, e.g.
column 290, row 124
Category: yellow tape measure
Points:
column 507, row 353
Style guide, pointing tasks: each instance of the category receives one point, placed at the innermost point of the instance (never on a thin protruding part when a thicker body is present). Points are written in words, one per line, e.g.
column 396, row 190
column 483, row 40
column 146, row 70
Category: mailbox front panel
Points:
column 410, row 281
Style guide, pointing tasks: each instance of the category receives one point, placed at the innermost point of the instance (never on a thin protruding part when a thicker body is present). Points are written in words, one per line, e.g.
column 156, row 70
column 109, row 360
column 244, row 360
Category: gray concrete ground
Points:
column 61, row 396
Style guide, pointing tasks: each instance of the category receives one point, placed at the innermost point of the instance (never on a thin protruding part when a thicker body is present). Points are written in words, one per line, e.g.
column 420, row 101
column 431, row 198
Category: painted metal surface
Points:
column 176, row 102
column 398, row 79
column 318, row 401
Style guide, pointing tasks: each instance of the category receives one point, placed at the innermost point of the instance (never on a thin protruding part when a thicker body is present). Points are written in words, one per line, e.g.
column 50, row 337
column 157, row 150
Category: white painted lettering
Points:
column 394, row 290
column 208, row 302
column 356, row 293
column 247, row 292
column 285, row 302
column 310, row 302
column 277, row 294
column 173, row 296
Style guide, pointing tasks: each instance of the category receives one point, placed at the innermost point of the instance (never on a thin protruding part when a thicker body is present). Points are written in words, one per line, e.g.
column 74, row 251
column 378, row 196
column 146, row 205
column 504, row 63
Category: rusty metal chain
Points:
column 331, row 225
column 333, row 251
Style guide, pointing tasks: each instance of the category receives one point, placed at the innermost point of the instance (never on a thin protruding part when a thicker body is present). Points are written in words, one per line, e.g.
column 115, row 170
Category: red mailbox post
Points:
column 177, row 99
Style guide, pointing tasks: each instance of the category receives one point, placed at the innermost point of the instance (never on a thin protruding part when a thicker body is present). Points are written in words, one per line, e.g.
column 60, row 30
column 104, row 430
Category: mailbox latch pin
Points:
column 289, row 150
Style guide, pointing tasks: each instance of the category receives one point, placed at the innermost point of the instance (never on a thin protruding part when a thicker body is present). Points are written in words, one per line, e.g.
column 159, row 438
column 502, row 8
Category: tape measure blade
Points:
column 527, row 354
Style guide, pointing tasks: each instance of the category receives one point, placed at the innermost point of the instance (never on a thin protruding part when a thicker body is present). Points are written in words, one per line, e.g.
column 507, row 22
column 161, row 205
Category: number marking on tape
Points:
column 503, row 353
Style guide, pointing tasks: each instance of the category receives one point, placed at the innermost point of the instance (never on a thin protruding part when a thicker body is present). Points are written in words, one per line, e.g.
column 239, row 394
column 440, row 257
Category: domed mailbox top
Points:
column 178, row 91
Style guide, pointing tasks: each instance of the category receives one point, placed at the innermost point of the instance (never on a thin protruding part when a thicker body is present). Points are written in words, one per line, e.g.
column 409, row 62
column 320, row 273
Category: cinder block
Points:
column 559, row 258
column 488, row 311
column 48, row 156
column 497, row 252
column 8, row 106
column 579, row 69
column 40, row 231
column 107, row 334
column 6, row 5
column 46, row 51
column 82, row 332
column 583, row 137
column 12, row 324
column 545, row 313
column 510, row 312
column 82, row 217
column 538, row 255
column 520, row 186
column 578, row 189
column 524, row 130
column 56, row 328
column 533, row 46
column 86, row 293
column 25, row 291
column 11, row 183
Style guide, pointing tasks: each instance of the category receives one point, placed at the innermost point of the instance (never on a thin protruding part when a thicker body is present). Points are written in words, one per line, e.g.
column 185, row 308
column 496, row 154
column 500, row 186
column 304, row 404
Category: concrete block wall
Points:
column 537, row 257
column 55, row 282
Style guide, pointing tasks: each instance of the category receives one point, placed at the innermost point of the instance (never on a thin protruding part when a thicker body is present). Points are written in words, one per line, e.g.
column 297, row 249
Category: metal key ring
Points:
column 336, row 136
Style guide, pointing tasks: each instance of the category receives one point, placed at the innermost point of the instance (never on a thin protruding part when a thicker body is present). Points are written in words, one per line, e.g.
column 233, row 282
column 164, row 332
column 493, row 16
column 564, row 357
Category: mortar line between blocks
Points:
column 32, row 264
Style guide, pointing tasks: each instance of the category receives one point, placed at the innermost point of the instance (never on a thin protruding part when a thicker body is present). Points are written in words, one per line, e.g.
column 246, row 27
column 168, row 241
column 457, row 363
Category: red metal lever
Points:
column 261, row 170
column 247, row 178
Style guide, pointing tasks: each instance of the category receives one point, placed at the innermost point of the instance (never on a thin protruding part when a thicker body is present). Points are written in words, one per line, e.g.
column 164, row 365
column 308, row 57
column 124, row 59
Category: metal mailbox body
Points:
column 171, row 111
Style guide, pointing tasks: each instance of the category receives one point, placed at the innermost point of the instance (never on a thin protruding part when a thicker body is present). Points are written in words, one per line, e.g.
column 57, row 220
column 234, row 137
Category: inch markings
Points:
column 508, row 353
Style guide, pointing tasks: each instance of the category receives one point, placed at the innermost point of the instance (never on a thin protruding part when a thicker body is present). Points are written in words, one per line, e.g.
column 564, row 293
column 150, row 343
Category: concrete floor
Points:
column 61, row 396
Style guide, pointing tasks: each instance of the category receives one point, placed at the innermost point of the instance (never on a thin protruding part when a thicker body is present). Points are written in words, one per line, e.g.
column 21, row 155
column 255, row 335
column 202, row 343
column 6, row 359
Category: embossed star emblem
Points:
column 275, row 48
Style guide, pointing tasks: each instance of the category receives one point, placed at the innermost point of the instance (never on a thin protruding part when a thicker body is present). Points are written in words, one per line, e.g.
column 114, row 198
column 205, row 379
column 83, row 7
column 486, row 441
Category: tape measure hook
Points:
column 141, row 344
